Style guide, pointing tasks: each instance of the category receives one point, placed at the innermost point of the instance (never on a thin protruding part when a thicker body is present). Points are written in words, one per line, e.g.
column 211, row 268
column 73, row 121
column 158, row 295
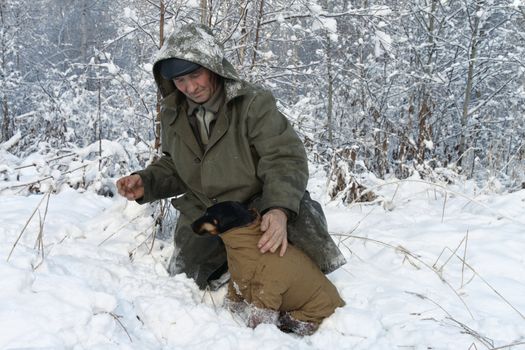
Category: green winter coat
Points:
column 253, row 155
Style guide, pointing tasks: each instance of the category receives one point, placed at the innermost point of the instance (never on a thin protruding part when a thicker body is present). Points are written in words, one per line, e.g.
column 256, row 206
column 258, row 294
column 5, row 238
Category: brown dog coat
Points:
column 292, row 283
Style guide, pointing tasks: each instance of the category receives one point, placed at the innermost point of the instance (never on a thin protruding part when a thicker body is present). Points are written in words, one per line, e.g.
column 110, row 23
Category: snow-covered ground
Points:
column 428, row 268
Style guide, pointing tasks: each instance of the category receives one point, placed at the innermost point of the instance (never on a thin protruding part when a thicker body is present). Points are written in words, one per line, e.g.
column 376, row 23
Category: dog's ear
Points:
column 231, row 215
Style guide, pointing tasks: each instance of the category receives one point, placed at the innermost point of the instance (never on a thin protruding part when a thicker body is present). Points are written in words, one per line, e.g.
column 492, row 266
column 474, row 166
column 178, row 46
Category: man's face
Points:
column 199, row 86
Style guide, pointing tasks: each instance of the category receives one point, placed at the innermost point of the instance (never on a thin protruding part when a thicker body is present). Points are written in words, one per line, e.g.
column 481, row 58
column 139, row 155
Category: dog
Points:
column 289, row 291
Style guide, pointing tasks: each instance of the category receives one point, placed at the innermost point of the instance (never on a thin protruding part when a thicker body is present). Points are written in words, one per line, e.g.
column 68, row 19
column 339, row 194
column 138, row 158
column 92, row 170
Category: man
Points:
column 224, row 139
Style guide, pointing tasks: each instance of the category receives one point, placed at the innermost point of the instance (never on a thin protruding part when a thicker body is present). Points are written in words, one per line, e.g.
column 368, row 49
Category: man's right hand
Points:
column 131, row 187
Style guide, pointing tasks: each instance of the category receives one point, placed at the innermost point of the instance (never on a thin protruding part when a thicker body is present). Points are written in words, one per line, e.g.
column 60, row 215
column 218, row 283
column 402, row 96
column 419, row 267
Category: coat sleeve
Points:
column 282, row 165
column 160, row 180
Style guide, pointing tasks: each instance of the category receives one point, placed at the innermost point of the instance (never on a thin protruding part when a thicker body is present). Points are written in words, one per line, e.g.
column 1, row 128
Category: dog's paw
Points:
column 288, row 324
column 258, row 315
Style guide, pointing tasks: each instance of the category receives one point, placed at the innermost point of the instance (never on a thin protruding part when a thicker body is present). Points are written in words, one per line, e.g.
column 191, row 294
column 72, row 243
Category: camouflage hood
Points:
column 196, row 43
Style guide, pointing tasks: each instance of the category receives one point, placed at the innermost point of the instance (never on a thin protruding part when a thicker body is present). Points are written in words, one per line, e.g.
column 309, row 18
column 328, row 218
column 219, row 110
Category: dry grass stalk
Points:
column 117, row 318
column 395, row 192
column 39, row 244
column 118, row 230
column 27, row 224
column 508, row 346
column 415, row 257
column 484, row 340
column 208, row 291
column 444, row 204
column 489, row 285
column 447, row 191
column 445, row 281
column 440, row 269
column 154, row 234
column 489, row 343
column 132, row 252
column 476, row 274
column 464, row 259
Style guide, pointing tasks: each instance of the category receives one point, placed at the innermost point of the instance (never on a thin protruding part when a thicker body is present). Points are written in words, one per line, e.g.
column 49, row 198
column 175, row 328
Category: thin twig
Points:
column 28, row 183
column 47, row 161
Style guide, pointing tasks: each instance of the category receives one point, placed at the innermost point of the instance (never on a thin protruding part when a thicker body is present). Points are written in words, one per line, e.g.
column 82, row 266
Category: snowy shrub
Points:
column 94, row 167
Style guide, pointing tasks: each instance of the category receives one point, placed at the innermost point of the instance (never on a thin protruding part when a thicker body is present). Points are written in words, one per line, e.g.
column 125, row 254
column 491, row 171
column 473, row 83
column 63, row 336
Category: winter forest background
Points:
column 389, row 87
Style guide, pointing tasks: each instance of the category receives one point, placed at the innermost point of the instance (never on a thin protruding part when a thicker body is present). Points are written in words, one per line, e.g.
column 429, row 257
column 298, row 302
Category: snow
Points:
column 442, row 268
column 12, row 141
column 326, row 24
column 383, row 42
column 112, row 68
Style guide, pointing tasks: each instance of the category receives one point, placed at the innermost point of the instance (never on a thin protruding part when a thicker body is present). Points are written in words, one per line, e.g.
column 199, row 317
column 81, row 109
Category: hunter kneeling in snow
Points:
column 289, row 291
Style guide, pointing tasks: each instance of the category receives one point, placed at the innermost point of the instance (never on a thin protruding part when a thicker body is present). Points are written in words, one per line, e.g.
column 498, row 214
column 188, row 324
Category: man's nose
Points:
column 191, row 87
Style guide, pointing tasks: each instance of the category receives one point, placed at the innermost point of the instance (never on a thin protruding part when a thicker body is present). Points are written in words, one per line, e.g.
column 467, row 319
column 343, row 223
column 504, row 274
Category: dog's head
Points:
column 222, row 217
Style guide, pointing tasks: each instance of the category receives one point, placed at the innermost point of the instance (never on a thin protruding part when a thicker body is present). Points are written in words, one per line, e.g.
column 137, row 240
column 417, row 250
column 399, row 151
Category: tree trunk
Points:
column 257, row 32
column 204, row 12
column 330, row 97
column 474, row 41
column 243, row 13
column 84, row 32
column 5, row 132
column 99, row 121
column 423, row 129
column 159, row 97
column 425, row 112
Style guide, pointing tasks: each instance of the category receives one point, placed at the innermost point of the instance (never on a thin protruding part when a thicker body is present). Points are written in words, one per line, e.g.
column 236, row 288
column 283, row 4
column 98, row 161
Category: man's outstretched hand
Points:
column 131, row 187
